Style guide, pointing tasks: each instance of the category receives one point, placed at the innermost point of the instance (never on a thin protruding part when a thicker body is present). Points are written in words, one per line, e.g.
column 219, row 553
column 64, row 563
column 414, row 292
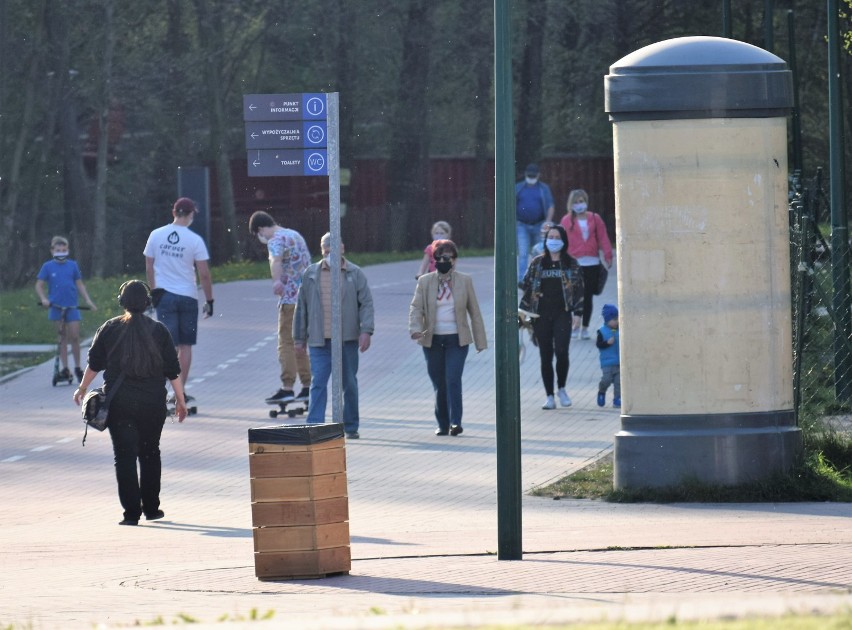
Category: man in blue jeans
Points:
column 312, row 332
column 533, row 206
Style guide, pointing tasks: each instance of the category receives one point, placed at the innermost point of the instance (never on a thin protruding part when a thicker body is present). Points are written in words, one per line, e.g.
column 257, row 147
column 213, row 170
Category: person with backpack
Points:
column 533, row 206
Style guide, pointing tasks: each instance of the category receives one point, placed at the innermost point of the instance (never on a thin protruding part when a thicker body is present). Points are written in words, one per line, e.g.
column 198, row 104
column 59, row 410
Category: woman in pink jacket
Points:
column 587, row 242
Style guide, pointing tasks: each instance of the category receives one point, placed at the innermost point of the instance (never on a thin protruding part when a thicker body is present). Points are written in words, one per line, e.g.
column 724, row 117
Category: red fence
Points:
column 301, row 203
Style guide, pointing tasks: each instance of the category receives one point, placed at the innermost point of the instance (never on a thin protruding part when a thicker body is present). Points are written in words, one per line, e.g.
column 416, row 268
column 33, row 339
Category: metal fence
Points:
column 822, row 376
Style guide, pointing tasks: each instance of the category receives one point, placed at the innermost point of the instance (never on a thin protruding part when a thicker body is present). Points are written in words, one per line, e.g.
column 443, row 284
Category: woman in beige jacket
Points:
column 445, row 319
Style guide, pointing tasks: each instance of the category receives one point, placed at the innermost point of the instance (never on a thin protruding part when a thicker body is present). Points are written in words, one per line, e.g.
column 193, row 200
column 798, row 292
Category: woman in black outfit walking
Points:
column 142, row 349
column 553, row 289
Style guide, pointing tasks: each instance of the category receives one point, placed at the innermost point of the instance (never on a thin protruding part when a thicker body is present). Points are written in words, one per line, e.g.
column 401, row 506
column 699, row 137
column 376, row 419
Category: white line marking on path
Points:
column 211, row 373
column 14, row 458
column 64, row 440
column 41, row 448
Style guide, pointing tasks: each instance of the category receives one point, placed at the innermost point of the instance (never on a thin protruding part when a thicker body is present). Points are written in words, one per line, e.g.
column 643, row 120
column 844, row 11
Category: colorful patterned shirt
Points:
column 291, row 248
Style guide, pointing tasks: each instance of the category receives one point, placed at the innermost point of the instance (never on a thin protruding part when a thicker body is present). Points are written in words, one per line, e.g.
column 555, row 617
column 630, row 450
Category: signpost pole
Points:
column 334, row 229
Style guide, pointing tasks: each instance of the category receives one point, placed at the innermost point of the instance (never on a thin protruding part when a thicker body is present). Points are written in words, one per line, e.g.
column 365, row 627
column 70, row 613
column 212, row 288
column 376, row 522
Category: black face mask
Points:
column 443, row 266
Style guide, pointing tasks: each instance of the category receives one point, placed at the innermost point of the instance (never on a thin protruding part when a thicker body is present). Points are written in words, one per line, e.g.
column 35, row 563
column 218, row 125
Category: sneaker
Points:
column 456, row 429
column 440, row 431
column 616, row 402
column 352, row 435
column 281, row 396
column 601, row 399
column 549, row 403
column 79, row 374
column 155, row 516
column 584, row 334
column 564, row 400
column 304, row 394
column 65, row 374
column 575, row 334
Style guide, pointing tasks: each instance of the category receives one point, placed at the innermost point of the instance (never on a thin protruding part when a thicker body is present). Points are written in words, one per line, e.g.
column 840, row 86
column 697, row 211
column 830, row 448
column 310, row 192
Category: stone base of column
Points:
column 724, row 449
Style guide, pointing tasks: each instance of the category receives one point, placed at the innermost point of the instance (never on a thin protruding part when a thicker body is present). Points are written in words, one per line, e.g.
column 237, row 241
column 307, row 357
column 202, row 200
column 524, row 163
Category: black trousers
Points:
column 135, row 427
column 553, row 333
column 590, row 283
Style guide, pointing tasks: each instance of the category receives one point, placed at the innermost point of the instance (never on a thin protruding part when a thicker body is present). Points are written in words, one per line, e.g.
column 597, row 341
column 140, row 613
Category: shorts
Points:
column 71, row 314
column 179, row 314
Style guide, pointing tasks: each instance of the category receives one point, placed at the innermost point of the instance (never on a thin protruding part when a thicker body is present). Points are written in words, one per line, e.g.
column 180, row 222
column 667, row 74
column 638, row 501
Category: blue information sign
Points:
column 287, row 135
column 277, row 163
column 306, row 106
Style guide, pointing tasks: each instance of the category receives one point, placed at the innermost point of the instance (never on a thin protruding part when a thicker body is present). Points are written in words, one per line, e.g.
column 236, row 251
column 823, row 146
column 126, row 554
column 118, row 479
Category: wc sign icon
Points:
column 317, row 163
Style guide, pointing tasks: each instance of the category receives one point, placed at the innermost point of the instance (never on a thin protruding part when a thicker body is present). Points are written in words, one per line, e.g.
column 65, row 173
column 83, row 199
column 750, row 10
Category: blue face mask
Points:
column 553, row 244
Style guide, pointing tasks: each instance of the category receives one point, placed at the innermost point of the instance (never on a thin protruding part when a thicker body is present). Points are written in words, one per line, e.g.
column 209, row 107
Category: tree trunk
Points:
column 408, row 168
column 478, row 210
column 345, row 73
column 528, row 143
column 77, row 201
column 100, row 251
column 212, row 41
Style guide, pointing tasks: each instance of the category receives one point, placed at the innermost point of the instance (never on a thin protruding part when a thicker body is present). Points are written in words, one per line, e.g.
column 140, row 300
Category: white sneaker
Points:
column 575, row 334
column 584, row 334
column 549, row 403
column 564, row 400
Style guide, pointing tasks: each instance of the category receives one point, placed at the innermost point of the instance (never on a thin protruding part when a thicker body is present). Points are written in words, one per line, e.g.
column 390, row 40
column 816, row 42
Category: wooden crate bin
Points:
column 292, row 513
column 298, row 488
column 297, row 463
column 301, row 538
column 302, row 564
column 258, row 447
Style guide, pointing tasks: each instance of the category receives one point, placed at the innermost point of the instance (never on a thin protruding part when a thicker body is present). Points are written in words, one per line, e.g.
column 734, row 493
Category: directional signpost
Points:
column 286, row 134
column 296, row 135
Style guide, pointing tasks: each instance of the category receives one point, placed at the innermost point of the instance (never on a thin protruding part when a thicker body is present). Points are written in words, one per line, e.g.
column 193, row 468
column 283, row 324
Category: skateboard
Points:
column 298, row 407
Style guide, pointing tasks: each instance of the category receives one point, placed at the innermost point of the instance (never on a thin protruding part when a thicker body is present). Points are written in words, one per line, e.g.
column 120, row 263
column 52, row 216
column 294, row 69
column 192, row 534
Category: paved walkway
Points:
column 422, row 509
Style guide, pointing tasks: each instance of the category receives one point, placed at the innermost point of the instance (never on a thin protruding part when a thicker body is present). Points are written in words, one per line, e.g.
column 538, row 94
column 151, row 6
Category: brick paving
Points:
column 422, row 508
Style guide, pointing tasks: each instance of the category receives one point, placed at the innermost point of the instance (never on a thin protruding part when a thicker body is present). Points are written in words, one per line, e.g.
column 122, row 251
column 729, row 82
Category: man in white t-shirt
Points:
column 173, row 253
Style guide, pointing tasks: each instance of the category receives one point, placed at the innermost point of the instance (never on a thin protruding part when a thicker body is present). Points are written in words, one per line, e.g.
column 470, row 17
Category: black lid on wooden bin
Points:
column 698, row 77
column 296, row 434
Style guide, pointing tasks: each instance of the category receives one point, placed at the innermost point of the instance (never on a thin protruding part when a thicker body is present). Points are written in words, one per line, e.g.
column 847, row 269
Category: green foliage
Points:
column 163, row 98
column 825, row 474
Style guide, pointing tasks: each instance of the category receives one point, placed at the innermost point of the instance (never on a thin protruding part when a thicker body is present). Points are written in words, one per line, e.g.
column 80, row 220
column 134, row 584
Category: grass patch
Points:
column 825, row 474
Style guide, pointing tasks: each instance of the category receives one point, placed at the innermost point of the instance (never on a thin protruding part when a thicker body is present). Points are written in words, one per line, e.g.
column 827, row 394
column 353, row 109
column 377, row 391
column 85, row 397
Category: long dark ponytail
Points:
column 140, row 355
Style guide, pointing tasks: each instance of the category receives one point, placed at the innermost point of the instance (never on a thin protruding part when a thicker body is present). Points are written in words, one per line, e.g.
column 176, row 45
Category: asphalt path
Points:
column 423, row 508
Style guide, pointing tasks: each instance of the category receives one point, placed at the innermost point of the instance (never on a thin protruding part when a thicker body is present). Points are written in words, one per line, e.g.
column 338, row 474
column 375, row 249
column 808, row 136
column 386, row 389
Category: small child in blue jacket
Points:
column 607, row 343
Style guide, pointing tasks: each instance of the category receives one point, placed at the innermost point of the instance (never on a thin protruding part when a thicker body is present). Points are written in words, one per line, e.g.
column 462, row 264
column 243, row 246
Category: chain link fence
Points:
column 822, row 352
